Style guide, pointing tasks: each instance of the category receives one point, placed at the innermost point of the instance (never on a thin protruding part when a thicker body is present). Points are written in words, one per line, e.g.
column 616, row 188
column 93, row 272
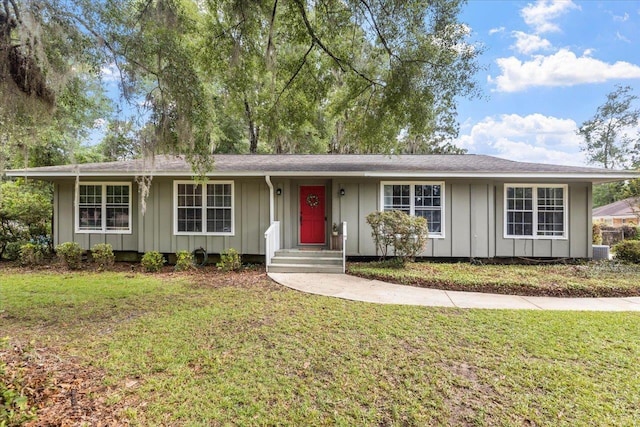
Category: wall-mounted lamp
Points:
column 279, row 191
column 342, row 192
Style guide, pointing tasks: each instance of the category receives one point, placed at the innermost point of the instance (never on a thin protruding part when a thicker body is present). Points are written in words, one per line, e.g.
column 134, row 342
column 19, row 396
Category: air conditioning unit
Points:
column 600, row 252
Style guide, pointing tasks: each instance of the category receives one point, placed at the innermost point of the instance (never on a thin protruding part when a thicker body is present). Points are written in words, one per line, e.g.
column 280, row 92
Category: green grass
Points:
column 590, row 280
column 258, row 354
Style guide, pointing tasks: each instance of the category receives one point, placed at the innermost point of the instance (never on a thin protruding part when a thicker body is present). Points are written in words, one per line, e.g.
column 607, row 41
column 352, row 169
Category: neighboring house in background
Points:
column 477, row 206
column 617, row 214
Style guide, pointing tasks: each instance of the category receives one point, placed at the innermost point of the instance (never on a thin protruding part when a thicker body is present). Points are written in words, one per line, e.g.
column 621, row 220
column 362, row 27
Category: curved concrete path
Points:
column 359, row 289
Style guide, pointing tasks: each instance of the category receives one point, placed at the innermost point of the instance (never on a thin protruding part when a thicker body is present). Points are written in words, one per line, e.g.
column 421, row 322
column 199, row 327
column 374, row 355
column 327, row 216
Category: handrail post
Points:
column 272, row 242
column 344, row 247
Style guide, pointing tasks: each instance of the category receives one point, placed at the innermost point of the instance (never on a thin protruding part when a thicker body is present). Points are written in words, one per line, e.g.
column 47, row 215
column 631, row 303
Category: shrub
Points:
column 405, row 234
column 71, row 254
column 382, row 226
column 184, row 261
column 31, row 254
column 628, row 250
column 152, row 261
column 12, row 250
column 597, row 234
column 229, row 260
column 102, row 254
column 25, row 214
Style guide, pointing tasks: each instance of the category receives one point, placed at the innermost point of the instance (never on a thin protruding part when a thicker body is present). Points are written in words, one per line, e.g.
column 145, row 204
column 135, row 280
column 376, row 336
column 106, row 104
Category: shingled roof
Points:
column 626, row 207
column 374, row 165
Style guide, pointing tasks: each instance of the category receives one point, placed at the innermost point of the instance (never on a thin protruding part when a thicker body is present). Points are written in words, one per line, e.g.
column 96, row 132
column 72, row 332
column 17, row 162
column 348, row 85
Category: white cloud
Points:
column 529, row 43
column 533, row 138
column 99, row 123
column 496, row 30
column 562, row 68
column 621, row 37
column 622, row 18
column 541, row 14
column 110, row 73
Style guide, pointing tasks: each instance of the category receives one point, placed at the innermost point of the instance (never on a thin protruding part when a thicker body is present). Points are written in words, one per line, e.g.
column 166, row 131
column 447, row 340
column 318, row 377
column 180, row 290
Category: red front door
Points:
column 312, row 215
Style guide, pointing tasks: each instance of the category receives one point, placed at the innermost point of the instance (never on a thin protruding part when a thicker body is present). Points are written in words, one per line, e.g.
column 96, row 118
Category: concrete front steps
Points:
column 306, row 261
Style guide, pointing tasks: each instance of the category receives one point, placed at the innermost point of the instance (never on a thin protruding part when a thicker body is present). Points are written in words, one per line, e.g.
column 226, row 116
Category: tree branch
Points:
column 270, row 46
column 295, row 74
column 378, row 32
column 316, row 40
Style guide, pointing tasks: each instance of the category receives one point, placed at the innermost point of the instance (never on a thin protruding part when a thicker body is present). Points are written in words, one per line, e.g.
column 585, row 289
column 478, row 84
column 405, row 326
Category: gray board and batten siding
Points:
column 473, row 220
column 474, row 188
column 155, row 229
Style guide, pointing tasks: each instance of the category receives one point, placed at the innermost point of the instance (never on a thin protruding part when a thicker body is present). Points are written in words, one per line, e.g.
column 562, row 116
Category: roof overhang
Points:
column 590, row 177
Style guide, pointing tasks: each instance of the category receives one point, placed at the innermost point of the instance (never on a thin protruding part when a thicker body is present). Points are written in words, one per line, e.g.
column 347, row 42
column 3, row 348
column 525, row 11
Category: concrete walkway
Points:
column 358, row 289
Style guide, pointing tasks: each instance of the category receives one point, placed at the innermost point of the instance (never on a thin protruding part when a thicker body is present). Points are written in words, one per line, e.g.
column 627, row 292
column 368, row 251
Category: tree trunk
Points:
column 254, row 131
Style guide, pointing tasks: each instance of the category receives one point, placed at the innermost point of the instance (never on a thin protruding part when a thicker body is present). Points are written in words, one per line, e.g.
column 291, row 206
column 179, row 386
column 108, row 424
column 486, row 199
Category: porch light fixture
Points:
column 279, row 191
column 342, row 192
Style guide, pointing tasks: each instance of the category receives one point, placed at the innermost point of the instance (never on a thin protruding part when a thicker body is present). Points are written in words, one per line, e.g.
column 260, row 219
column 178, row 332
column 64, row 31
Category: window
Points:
column 535, row 211
column 425, row 199
column 103, row 208
column 204, row 208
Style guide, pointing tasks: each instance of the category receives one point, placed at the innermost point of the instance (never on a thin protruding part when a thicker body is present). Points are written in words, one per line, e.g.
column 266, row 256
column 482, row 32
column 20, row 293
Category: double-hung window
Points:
column 103, row 207
column 425, row 199
column 535, row 211
column 203, row 208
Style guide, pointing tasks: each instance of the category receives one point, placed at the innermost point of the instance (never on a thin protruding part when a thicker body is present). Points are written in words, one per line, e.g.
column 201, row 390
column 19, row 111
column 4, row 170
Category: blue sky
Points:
column 548, row 65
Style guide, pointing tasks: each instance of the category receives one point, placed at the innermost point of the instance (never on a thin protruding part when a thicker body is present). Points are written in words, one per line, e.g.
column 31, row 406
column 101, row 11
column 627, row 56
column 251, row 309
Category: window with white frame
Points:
column 103, row 208
column 425, row 199
column 203, row 208
column 535, row 211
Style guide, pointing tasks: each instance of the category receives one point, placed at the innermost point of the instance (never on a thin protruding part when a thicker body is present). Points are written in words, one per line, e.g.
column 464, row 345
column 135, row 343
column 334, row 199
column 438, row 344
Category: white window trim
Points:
column 204, row 209
column 535, row 236
column 412, row 190
column 103, row 230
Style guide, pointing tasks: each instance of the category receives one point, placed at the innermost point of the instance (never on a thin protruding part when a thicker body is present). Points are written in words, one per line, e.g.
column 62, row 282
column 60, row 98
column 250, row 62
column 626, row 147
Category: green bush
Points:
column 597, row 234
column 229, row 260
column 71, row 254
column 12, row 250
column 628, row 251
column 31, row 254
column 152, row 261
column 184, row 261
column 25, row 214
column 102, row 254
column 406, row 235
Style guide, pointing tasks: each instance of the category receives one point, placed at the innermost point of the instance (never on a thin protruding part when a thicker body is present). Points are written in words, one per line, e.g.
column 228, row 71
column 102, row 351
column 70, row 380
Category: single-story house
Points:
column 617, row 214
column 280, row 206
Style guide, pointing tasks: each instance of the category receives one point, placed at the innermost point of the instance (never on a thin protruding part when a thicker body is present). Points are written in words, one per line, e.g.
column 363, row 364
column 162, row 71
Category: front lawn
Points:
column 237, row 349
column 594, row 279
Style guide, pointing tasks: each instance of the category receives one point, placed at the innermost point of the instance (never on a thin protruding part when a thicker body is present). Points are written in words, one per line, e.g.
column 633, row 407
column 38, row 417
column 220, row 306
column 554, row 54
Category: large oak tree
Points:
column 245, row 75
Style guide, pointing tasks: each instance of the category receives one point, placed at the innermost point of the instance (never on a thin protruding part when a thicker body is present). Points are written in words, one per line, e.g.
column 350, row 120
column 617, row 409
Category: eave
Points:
column 528, row 176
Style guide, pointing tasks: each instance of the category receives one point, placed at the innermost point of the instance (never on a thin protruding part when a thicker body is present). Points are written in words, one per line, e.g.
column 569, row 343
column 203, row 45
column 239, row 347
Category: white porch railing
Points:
column 272, row 242
column 344, row 246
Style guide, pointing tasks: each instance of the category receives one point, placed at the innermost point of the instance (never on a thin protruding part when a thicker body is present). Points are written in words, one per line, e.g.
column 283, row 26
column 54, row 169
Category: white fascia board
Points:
column 93, row 174
column 511, row 175
column 594, row 177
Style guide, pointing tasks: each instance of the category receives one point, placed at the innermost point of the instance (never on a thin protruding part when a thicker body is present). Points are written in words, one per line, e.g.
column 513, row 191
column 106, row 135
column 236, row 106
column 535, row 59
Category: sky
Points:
column 547, row 66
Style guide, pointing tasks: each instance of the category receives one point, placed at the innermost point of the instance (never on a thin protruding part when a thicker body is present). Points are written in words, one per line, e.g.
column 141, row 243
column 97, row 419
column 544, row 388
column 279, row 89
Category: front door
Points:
column 312, row 214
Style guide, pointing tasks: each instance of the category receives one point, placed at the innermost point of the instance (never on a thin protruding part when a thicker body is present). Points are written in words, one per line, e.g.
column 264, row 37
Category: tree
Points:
column 606, row 135
column 608, row 142
column 323, row 76
column 50, row 91
column 339, row 76
column 25, row 213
